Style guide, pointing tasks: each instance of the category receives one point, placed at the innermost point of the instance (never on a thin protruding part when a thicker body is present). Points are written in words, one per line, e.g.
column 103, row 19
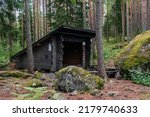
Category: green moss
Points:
column 99, row 83
column 36, row 94
column 34, row 83
column 135, row 53
column 38, row 75
column 15, row 74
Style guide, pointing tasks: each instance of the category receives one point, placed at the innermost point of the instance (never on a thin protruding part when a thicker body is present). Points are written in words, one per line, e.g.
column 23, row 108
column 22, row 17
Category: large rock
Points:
column 135, row 55
column 75, row 78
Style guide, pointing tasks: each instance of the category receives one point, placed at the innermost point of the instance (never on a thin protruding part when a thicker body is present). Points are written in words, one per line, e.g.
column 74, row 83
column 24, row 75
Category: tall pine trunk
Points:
column 90, row 14
column 28, row 37
column 84, row 13
column 34, row 20
column 123, row 19
column 43, row 17
column 148, row 14
column 99, row 25
column 127, row 20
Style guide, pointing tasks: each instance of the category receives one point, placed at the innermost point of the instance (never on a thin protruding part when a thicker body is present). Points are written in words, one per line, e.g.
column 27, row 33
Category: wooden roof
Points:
column 64, row 30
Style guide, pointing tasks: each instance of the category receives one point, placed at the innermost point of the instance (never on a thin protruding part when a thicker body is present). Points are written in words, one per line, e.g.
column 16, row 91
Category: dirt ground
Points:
column 113, row 90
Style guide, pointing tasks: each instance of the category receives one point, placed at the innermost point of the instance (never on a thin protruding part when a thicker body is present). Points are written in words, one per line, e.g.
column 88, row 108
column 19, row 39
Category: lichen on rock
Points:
column 135, row 54
column 74, row 78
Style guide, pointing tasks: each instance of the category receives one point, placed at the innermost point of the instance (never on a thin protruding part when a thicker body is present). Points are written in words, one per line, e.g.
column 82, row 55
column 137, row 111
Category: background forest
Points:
column 123, row 20
column 122, row 36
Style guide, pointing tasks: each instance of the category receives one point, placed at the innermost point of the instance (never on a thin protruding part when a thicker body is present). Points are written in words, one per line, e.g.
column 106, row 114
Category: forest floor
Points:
column 113, row 90
column 14, row 88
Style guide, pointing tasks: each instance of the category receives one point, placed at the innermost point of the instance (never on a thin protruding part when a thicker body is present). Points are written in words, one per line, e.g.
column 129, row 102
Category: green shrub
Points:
column 5, row 54
column 3, row 62
column 139, row 77
column 111, row 48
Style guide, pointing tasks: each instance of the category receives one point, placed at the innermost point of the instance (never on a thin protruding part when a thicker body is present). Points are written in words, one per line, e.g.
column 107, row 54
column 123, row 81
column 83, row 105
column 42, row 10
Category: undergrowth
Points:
column 111, row 49
column 5, row 54
column 139, row 77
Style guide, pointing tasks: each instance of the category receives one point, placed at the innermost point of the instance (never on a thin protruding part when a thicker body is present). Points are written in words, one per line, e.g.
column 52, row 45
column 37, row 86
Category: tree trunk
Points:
column 94, row 16
column 28, row 37
column 44, row 18
column 34, row 20
column 123, row 19
column 131, row 19
column 39, row 18
column 148, row 14
column 127, row 20
column 107, row 35
column 84, row 13
column 90, row 14
column 115, row 22
column 93, row 43
column 99, row 25
column 23, row 32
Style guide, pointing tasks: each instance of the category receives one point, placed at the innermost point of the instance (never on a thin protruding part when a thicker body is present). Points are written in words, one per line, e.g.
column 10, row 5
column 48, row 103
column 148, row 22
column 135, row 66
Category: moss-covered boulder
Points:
column 74, row 78
column 135, row 54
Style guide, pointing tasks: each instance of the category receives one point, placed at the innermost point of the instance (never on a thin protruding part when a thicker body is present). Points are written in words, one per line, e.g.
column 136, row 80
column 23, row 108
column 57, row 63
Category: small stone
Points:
column 58, row 96
column 126, row 96
column 1, row 78
column 111, row 81
column 99, row 94
column 74, row 93
column 51, row 76
column 80, row 98
column 82, row 92
column 113, row 93
column 53, row 92
column 43, row 77
column 94, row 92
column 128, row 89
column 16, row 83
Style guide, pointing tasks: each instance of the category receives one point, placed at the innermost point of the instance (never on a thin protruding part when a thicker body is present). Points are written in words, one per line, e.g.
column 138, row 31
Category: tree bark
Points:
column 34, row 20
column 123, row 19
column 84, row 14
column 90, row 14
column 28, row 37
column 148, row 14
column 44, row 18
column 127, row 20
column 99, row 25
column 107, row 35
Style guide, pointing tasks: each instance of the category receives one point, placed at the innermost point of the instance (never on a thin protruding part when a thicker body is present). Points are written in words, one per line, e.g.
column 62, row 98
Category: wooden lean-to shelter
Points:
column 62, row 47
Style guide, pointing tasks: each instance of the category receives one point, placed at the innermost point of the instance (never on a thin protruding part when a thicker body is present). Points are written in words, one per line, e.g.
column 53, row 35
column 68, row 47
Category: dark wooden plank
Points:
column 54, row 55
